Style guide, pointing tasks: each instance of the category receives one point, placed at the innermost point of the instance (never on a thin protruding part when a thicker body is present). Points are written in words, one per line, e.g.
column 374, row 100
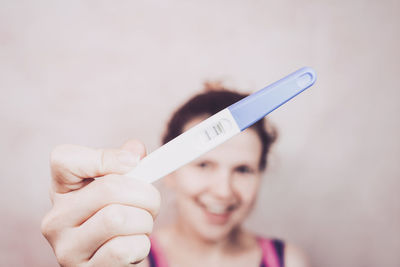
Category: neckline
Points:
column 269, row 258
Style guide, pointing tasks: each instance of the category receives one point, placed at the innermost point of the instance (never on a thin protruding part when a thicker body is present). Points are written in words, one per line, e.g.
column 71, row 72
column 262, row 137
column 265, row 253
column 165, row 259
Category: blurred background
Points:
column 97, row 73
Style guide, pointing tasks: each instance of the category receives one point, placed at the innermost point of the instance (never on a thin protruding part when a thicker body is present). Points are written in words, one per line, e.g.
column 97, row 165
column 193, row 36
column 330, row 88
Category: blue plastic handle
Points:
column 257, row 105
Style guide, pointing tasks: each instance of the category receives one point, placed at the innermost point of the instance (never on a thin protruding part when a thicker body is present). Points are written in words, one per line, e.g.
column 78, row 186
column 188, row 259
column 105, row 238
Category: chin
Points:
column 213, row 234
column 215, row 231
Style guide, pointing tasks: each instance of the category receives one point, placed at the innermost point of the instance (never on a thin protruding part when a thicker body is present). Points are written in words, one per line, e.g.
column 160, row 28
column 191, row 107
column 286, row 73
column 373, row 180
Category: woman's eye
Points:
column 244, row 169
column 203, row 164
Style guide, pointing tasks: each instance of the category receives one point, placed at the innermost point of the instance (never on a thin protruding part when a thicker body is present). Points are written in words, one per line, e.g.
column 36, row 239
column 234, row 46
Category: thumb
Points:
column 72, row 166
column 135, row 147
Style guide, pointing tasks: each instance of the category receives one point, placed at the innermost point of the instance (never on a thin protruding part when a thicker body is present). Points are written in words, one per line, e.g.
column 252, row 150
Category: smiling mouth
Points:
column 218, row 209
column 216, row 213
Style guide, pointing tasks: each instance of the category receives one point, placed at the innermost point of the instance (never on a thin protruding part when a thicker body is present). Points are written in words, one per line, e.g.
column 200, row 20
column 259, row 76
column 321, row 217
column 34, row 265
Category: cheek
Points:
column 189, row 182
column 247, row 189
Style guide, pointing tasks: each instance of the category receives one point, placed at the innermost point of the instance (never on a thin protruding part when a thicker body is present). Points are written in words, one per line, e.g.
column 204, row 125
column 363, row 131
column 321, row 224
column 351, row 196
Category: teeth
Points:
column 217, row 209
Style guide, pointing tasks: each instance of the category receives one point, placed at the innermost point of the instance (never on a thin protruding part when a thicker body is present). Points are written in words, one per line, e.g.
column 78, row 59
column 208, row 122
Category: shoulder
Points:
column 295, row 257
column 288, row 254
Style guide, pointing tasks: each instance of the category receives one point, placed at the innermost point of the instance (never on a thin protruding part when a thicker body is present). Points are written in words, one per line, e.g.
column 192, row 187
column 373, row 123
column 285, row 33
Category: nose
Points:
column 221, row 186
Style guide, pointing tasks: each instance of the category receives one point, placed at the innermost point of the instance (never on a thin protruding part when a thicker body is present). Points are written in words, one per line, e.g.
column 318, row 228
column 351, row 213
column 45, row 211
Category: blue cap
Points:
column 257, row 105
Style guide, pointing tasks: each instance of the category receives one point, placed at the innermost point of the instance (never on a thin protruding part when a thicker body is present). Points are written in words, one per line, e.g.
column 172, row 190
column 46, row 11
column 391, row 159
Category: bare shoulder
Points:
column 295, row 257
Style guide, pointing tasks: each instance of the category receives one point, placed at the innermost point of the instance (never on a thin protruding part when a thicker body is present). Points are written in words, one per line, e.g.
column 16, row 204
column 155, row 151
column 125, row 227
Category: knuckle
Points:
column 45, row 226
column 141, row 249
column 48, row 225
column 125, row 190
column 62, row 255
column 148, row 194
column 145, row 245
column 57, row 155
column 155, row 198
column 112, row 218
column 102, row 161
column 116, row 252
column 107, row 162
column 67, row 251
column 147, row 221
column 112, row 182
column 108, row 185
column 128, row 249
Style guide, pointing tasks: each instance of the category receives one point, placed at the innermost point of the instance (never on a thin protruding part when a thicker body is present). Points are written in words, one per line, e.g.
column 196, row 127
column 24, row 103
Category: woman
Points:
column 107, row 221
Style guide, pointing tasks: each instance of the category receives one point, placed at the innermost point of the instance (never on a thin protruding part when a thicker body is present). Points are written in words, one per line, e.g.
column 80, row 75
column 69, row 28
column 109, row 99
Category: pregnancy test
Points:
column 221, row 126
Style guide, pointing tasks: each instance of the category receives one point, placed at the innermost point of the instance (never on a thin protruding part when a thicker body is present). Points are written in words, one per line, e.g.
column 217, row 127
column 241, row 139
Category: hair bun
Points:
column 213, row 86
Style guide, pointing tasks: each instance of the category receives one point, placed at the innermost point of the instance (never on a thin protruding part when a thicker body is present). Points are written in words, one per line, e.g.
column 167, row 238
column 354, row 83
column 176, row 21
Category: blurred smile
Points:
column 217, row 213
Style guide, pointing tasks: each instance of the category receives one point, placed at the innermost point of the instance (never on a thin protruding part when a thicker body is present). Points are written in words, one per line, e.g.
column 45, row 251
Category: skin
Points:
column 106, row 221
column 216, row 192
column 103, row 221
column 214, row 195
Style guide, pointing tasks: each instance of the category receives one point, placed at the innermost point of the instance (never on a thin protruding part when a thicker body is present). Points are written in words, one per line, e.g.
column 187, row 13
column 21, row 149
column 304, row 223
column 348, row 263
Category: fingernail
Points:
column 127, row 158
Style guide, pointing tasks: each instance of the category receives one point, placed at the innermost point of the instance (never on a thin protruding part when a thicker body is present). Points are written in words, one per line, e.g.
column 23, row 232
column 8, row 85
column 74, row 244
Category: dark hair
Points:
column 214, row 99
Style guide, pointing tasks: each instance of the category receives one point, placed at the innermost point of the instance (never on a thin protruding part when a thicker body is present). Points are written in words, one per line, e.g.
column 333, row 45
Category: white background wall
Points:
column 97, row 73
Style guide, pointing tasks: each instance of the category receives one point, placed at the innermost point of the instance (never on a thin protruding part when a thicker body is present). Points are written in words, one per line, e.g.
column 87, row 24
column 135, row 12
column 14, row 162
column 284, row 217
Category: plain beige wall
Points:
column 97, row 73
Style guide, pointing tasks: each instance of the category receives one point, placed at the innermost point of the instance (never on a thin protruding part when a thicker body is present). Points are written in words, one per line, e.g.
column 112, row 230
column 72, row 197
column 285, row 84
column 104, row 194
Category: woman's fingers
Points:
column 72, row 209
column 122, row 251
column 99, row 217
column 82, row 220
column 111, row 221
column 71, row 164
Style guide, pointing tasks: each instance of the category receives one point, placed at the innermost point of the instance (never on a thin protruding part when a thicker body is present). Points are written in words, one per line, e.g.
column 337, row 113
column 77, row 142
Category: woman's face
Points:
column 216, row 191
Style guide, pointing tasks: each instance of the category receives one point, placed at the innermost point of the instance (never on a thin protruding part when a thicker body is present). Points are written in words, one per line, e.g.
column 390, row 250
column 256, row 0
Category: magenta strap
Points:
column 157, row 253
column 270, row 258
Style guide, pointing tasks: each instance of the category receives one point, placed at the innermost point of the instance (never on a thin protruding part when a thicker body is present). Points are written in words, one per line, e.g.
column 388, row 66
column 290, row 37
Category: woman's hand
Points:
column 104, row 221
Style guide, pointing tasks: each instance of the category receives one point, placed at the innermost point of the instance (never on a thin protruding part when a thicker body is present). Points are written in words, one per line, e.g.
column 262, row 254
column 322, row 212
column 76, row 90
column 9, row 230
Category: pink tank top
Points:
column 270, row 257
